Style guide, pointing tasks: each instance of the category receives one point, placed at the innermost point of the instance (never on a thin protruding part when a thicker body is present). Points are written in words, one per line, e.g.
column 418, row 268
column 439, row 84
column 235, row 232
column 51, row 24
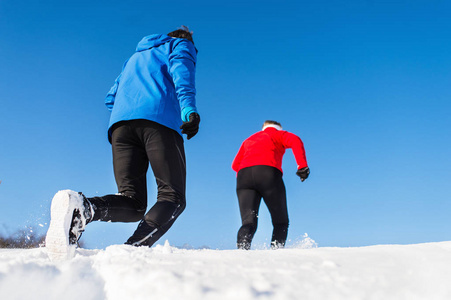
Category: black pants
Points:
column 135, row 144
column 253, row 183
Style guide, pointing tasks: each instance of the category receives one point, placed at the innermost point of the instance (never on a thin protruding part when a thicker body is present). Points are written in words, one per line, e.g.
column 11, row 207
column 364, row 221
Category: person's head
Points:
column 183, row 33
column 270, row 123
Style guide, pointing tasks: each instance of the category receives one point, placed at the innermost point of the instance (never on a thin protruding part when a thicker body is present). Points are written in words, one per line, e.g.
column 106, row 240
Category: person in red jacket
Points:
column 258, row 164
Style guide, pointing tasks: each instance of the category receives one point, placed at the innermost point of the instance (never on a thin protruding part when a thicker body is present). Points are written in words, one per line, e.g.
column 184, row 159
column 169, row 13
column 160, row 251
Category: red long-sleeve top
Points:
column 267, row 148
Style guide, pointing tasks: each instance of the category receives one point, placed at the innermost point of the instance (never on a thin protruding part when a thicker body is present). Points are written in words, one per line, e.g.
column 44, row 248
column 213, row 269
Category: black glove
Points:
column 303, row 173
column 191, row 127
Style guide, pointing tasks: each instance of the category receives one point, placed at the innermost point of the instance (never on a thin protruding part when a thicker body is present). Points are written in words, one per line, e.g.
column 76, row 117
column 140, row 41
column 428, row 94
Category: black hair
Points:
column 183, row 33
column 272, row 122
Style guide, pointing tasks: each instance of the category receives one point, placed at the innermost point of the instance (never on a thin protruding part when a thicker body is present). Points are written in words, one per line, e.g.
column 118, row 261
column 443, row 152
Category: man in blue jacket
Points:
column 152, row 104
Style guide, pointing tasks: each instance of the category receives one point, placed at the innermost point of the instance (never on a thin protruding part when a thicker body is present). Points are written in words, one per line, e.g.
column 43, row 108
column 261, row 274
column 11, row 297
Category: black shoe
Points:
column 277, row 245
column 70, row 212
column 243, row 246
column 81, row 217
column 142, row 235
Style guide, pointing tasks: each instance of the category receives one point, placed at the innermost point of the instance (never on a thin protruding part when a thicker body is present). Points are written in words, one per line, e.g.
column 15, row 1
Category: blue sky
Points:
column 365, row 84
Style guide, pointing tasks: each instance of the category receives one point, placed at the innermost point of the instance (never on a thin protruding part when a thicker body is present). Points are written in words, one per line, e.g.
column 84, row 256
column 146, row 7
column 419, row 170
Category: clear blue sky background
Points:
column 365, row 84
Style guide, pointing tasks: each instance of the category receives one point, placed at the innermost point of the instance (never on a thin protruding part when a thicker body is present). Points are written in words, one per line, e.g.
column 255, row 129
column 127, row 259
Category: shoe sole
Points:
column 57, row 238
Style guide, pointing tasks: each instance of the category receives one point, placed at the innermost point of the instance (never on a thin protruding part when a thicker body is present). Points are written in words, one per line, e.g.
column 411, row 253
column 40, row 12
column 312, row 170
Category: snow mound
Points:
column 419, row 271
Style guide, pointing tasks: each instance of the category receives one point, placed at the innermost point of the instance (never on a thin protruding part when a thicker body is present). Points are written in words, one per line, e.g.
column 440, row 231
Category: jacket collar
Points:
column 273, row 126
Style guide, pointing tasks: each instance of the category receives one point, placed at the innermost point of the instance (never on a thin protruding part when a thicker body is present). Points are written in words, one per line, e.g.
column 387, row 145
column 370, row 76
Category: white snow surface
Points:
column 420, row 271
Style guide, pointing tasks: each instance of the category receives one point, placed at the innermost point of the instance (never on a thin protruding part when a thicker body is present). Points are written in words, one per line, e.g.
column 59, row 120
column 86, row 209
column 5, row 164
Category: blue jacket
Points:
column 157, row 83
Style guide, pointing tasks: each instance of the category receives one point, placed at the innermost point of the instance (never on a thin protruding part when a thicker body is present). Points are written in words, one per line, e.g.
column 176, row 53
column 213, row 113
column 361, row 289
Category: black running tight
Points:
column 253, row 184
column 137, row 143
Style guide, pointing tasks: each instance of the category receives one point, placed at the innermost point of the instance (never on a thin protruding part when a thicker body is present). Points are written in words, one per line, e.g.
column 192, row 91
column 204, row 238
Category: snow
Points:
column 421, row 271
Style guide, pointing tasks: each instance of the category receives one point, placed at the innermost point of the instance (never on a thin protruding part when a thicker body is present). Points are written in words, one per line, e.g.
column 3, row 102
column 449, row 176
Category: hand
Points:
column 191, row 127
column 303, row 173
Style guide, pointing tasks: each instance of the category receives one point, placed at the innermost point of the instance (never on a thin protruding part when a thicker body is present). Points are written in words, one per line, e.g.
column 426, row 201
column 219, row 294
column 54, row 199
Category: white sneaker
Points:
column 70, row 212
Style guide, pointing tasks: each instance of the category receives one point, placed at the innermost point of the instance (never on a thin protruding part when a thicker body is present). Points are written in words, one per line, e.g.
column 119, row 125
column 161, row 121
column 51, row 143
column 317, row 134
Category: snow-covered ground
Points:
column 421, row 271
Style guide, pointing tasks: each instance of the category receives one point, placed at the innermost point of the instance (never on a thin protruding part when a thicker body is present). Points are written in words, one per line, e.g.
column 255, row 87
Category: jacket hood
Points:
column 151, row 41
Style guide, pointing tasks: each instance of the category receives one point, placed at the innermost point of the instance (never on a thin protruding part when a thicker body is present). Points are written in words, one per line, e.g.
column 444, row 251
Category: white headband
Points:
column 278, row 127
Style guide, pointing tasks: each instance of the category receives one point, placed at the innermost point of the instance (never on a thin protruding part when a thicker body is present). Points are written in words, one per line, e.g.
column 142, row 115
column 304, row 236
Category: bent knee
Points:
column 137, row 215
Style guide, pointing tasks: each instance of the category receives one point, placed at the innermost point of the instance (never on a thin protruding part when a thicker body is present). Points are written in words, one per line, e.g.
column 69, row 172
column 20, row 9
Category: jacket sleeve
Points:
column 294, row 142
column 182, row 67
column 237, row 160
column 111, row 96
